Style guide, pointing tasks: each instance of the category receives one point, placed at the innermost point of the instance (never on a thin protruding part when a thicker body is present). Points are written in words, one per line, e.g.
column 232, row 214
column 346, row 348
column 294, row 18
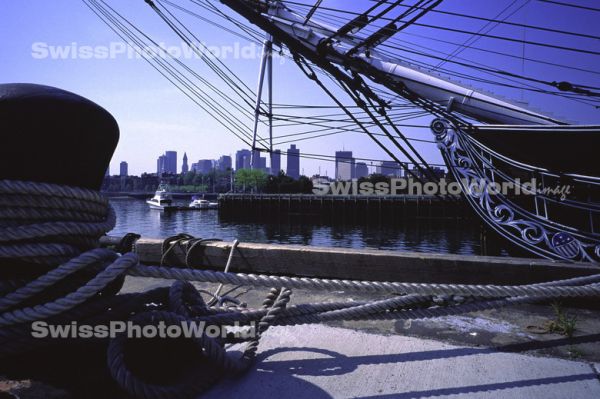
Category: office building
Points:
column 123, row 169
column 293, row 162
column 171, row 162
column 243, row 159
column 391, row 169
column 167, row 163
column 260, row 163
column 344, row 165
column 275, row 162
column 160, row 165
column 224, row 163
column 204, row 166
column 361, row 170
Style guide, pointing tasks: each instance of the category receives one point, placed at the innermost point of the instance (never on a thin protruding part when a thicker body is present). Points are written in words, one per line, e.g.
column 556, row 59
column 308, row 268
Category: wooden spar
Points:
column 362, row 264
column 288, row 27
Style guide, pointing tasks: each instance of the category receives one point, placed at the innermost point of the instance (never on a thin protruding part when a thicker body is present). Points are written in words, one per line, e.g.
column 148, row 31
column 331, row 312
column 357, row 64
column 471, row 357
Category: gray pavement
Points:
column 327, row 362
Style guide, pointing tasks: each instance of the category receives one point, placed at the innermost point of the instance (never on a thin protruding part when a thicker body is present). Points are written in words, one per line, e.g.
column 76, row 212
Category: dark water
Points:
column 458, row 237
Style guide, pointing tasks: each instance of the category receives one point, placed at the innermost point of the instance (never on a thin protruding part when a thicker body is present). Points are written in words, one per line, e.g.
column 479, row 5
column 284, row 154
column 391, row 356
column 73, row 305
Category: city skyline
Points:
column 346, row 166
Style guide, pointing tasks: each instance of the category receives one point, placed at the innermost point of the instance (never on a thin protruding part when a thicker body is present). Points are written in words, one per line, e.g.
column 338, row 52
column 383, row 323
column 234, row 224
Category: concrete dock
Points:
column 326, row 362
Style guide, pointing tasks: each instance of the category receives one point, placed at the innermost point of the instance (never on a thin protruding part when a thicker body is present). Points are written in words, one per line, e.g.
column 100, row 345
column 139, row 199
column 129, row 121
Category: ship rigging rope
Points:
column 391, row 29
column 466, row 32
column 52, row 232
column 405, row 46
column 232, row 122
column 580, row 89
column 243, row 131
column 561, row 3
column 194, row 93
column 529, row 59
column 170, row 15
column 488, row 27
column 159, row 60
column 575, row 88
column 117, row 22
column 511, row 23
column 241, row 128
column 562, row 86
column 340, row 77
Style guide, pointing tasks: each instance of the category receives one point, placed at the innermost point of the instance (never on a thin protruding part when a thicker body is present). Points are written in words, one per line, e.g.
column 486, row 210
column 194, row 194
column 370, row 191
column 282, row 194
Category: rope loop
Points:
column 185, row 300
column 193, row 381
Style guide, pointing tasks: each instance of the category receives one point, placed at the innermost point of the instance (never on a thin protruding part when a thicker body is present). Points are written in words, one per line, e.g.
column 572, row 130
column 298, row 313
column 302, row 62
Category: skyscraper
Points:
column 123, row 169
column 260, row 163
column 362, row 170
column 391, row 168
column 224, row 163
column 242, row 159
column 160, row 165
column 171, row 162
column 204, row 166
column 293, row 162
column 275, row 162
column 167, row 163
column 185, row 168
column 344, row 165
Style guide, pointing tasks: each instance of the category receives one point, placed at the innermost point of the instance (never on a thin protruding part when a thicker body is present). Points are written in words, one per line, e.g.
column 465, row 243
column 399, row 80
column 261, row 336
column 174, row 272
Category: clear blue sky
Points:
column 154, row 116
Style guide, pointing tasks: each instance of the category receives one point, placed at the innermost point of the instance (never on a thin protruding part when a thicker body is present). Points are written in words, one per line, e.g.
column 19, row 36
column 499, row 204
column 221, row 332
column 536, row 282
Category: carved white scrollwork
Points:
column 523, row 228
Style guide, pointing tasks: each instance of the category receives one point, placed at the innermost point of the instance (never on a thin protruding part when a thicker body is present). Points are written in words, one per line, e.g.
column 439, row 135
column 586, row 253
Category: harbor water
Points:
column 429, row 236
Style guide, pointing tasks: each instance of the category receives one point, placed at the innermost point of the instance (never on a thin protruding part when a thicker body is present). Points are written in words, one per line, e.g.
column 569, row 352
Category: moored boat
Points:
column 201, row 203
column 162, row 199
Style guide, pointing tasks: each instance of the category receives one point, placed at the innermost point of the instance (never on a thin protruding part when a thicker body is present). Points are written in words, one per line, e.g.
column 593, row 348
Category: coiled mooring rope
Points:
column 52, row 232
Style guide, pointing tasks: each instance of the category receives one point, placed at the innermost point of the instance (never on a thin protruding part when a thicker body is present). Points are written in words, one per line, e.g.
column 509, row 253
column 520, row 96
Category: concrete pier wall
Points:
column 362, row 264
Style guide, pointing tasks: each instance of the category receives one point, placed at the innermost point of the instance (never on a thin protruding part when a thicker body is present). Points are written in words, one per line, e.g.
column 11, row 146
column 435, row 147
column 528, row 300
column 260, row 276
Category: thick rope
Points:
column 90, row 289
column 490, row 291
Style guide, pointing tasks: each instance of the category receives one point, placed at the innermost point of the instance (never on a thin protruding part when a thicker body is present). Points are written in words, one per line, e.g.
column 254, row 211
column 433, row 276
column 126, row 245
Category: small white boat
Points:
column 162, row 199
column 201, row 203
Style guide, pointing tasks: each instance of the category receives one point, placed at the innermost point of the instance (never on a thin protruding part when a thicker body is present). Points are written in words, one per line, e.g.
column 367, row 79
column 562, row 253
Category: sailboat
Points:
column 481, row 137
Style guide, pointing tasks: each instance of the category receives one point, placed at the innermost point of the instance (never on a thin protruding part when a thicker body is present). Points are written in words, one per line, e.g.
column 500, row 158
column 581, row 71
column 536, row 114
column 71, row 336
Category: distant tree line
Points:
column 283, row 184
column 144, row 183
column 245, row 180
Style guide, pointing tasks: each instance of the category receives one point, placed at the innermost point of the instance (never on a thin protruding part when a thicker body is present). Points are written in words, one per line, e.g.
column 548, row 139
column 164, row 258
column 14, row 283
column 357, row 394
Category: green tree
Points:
column 188, row 178
column 250, row 180
column 283, row 184
column 305, row 185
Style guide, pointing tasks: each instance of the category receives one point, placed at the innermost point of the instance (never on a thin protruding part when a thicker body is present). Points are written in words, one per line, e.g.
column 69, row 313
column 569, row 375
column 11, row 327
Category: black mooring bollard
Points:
column 53, row 136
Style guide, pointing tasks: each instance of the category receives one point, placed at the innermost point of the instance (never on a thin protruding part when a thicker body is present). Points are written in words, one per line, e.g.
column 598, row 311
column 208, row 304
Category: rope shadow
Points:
column 339, row 364
column 487, row 387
